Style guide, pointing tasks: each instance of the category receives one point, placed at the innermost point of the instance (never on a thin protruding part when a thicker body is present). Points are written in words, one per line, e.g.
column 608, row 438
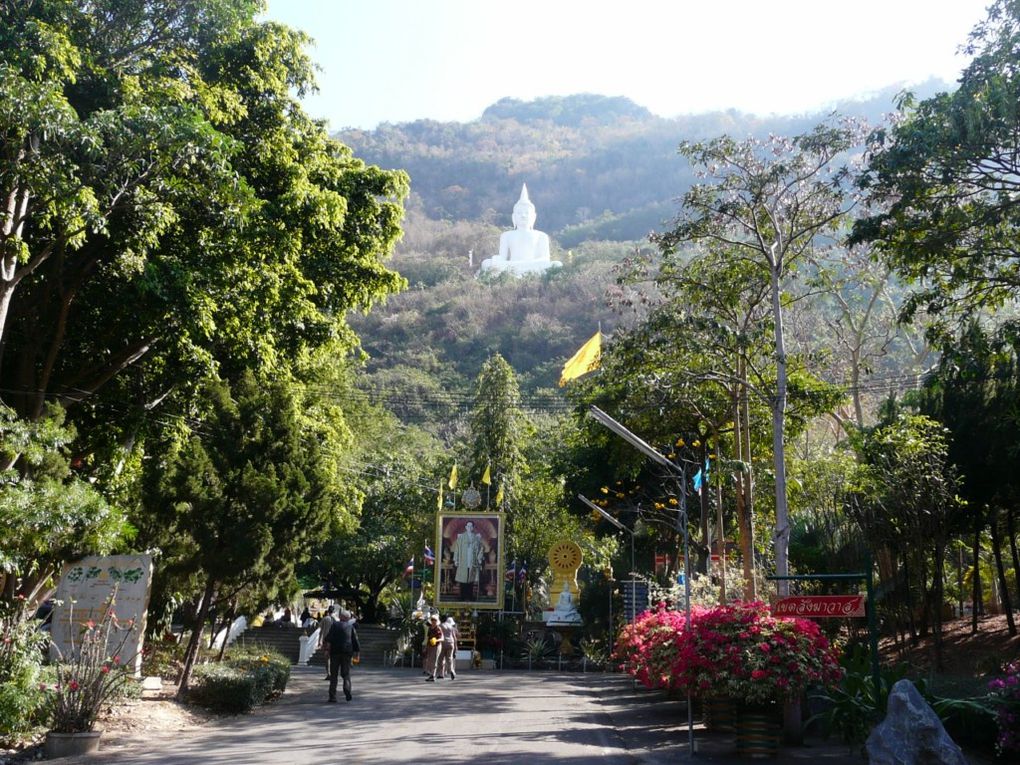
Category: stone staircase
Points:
column 375, row 642
column 286, row 640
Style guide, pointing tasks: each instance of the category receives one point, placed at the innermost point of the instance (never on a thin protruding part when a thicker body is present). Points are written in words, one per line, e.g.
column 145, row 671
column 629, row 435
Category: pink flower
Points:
column 73, row 685
column 758, row 674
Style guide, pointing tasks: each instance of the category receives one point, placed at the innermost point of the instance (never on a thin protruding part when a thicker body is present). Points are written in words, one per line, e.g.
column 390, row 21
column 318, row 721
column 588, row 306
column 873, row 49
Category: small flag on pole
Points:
column 487, row 476
column 698, row 480
column 409, row 568
column 429, row 556
column 452, row 483
column 439, row 499
column 511, row 573
column 522, row 573
column 499, row 495
column 587, row 358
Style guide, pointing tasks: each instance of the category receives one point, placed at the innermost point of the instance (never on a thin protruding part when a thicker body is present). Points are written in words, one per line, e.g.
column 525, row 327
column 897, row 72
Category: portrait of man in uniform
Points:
column 468, row 570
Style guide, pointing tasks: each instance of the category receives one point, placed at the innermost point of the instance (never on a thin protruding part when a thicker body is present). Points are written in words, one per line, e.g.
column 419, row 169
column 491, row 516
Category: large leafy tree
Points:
column 949, row 173
column 171, row 208
column 770, row 203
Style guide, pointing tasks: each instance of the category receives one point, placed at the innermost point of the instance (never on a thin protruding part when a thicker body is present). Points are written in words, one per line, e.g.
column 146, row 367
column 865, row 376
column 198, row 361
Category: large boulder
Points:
column 911, row 733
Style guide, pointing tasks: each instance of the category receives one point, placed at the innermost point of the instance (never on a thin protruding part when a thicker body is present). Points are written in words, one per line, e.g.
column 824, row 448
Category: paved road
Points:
column 484, row 717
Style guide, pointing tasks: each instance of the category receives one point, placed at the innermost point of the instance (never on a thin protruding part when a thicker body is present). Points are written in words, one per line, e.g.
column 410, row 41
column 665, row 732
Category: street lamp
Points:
column 680, row 473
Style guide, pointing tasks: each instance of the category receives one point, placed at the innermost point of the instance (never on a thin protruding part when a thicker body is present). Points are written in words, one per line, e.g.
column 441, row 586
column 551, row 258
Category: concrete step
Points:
column 286, row 640
column 375, row 642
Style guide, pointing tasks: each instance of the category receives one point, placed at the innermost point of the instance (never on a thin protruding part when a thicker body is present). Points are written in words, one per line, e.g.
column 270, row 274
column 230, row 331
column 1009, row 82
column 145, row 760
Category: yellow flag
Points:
column 453, row 478
column 584, row 361
column 499, row 495
column 439, row 502
column 487, row 476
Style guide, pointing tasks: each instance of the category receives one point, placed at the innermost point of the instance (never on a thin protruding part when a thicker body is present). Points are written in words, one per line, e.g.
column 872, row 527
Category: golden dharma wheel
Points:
column 565, row 557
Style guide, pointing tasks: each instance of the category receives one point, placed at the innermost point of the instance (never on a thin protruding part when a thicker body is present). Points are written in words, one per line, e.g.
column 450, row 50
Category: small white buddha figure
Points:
column 523, row 250
column 565, row 611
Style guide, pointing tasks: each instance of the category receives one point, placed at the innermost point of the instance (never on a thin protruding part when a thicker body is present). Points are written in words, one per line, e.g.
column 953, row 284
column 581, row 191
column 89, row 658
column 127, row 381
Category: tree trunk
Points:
column 748, row 485
column 976, row 598
column 781, row 536
column 721, row 527
column 908, row 599
column 1001, row 571
column 937, row 588
column 1011, row 531
column 191, row 652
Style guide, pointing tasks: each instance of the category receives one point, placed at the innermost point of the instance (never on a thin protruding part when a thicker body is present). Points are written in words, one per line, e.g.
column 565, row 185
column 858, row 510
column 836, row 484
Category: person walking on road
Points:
column 447, row 665
column 324, row 625
column 433, row 638
column 342, row 646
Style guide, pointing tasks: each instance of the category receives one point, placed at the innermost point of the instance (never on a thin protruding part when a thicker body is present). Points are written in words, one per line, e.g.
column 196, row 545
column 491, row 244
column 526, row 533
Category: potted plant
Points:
column 87, row 678
column 741, row 651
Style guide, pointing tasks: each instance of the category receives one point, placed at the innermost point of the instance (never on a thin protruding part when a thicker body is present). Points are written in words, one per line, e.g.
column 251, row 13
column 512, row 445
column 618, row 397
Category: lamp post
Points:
column 679, row 472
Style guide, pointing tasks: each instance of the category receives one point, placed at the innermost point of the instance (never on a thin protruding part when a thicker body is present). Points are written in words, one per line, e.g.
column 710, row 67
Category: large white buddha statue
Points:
column 523, row 250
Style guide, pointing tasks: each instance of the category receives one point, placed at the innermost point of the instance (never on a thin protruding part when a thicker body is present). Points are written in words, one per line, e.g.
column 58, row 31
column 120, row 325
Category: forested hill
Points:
column 597, row 167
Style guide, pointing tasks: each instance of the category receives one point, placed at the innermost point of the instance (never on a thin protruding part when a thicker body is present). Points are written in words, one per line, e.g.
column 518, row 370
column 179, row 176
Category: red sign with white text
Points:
column 820, row 606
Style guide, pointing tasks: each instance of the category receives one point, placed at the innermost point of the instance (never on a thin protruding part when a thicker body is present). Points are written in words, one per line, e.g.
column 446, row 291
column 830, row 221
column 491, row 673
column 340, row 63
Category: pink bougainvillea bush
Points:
column 735, row 651
column 1005, row 693
column 648, row 648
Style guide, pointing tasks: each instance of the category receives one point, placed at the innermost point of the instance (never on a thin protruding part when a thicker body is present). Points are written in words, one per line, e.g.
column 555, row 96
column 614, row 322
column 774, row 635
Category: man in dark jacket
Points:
column 342, row 646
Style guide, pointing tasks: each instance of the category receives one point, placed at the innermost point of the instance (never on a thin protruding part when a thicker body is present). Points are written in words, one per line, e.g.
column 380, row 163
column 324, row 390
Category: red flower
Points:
column 758, row 674
column 73, row 685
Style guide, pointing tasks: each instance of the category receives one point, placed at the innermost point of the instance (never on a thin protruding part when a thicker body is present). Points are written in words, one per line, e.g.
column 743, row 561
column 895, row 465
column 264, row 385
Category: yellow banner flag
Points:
column 439, row 502
column 487, row 476
column 453, row 478
column 584, row 361
column 499, row 495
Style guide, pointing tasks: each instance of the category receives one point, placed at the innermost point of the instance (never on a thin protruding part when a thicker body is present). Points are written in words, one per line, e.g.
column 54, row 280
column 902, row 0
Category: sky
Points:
column 402, row 60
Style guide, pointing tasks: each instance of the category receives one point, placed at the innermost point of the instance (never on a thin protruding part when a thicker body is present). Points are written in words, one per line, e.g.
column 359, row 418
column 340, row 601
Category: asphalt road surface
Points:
column 484, row 717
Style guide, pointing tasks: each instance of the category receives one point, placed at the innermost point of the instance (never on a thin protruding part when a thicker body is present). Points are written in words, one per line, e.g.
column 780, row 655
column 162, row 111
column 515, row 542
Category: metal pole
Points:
column 876, row 674
column 633, row 582
column 687, row 595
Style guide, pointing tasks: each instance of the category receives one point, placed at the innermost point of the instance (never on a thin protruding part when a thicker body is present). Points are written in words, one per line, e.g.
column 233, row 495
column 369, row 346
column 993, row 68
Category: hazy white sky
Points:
column 400, row 60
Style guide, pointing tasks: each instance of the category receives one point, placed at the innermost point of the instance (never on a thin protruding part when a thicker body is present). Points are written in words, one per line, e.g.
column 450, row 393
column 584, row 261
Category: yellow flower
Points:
column 696, row 443
column 673, row 501
column 604, row 489
column 680, row 442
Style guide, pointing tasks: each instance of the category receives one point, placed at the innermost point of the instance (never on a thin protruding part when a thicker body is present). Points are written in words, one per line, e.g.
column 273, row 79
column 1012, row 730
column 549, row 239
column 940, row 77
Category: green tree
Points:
column 499, row 429
column 241, row 502
column 949, row 174
column 48, row 513
column 770, row 202
column 176, row 210
column 907, row 490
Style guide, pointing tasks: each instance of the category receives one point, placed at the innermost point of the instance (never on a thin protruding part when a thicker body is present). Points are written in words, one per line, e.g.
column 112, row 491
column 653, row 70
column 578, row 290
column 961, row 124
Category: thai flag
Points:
column 522, row 574
column 409, row 568
column 511, row 573
column 430, row 557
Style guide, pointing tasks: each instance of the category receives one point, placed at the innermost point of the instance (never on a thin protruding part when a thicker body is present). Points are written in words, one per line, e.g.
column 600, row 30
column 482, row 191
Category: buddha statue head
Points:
column 524, row 211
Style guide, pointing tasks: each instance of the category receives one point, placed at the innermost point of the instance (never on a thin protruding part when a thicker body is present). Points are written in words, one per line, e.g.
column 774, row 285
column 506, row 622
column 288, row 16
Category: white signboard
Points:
column 84, row 594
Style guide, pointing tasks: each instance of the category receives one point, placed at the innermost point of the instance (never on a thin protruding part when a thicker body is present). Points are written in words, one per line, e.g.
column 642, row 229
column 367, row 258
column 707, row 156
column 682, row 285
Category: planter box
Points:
column 71, row 744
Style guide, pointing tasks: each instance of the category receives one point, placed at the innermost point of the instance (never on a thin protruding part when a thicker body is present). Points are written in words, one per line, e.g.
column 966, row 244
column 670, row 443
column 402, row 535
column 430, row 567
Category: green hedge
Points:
column 240, row 683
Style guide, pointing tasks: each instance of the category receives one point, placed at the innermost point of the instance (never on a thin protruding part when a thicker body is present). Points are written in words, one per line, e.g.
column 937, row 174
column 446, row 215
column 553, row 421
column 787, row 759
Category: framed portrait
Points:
column 469, row 560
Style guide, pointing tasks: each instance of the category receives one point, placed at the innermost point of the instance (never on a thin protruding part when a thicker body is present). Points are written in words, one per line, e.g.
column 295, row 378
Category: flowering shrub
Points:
column 94, row 673
column 648, row 647
column 1005, row 694
column 737, row 651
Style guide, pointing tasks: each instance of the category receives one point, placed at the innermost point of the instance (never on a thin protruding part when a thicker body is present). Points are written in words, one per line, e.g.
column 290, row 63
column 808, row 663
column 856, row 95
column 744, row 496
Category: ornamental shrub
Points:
column 241, row 683
column 1005, row 695
column 21, row 645
column 649, row 647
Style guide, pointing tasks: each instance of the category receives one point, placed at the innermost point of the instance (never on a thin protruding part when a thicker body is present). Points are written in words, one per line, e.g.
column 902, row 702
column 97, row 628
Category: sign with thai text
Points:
column 84, row 595
column 820, row 606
